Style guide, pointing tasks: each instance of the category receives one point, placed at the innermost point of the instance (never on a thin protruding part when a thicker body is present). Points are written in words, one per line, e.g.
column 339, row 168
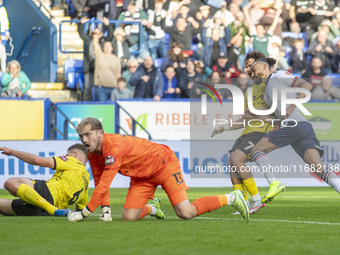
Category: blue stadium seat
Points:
column 158, row 62
column 194, row 47
column 290, row 34
column 336, row 79
column 167, row 41
column 74, row 73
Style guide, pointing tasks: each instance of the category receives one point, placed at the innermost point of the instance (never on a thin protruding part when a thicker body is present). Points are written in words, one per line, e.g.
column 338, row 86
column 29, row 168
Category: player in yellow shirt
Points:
column 68, row 185
column 240, row 152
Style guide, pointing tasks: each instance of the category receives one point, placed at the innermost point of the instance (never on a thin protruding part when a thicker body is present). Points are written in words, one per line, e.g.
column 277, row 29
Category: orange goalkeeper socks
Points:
column 209, row 204
column 146, row 211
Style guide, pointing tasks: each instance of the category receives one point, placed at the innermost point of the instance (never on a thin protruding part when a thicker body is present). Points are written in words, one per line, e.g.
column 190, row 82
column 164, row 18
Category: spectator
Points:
column 326, row 91
column 259, row 35
column 228, row 15
column 14, row 81
column 204, row 70
column 187, row 78
column 148, row 81
column 181, row 10
column 319, row 10
column 4, row 24
column 243, row 81
column 132, row 30
column 236, row 47
column 322, row 48
column 298, row 58
column 182, row 32
column 299, row 15
column 336, row 59
column 89, row 59
column 220, row 23
column 215, row 78
column 156, row 42
column 225, row 70
column 91, row 8
column 222, row 66
column 254, row 11
column 132, row 67
column 116, row 7
column 331, row 30
column 107, row 69
column 268, row 18
column 204, row 15
column 171, row 87
column 275, row 52
column 315, row 72
column 121, row 92
column 234, row 8
column 3, row 57
column 213, row 47
column 205, row 19
column 121, row 47
column 175, row 57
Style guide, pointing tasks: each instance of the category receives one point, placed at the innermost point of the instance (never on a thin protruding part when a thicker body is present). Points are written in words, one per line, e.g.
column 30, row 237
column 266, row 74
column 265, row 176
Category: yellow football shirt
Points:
column 69, row 184
column 258, row 91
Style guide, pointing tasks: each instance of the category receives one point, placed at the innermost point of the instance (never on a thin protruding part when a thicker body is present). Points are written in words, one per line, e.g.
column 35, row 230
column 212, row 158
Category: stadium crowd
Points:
column 190, row 40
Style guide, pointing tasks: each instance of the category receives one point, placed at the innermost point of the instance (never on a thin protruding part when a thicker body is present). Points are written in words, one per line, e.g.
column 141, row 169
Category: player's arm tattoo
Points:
column 301, row 83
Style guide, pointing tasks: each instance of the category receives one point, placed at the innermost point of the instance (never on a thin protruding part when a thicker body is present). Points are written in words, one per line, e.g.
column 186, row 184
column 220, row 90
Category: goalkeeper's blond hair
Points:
column 94, row 123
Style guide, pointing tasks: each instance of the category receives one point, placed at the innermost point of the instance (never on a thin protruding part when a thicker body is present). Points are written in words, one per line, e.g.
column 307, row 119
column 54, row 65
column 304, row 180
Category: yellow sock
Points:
column 240, row 187
column 250, row 186
column 29, row 195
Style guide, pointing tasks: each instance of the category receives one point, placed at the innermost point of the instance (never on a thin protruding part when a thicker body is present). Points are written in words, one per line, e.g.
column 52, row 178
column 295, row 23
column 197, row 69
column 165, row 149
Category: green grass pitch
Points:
column 299, row 221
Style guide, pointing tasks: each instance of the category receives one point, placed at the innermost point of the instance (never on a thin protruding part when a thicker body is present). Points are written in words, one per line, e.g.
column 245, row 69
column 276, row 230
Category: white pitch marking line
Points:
column 239, row 219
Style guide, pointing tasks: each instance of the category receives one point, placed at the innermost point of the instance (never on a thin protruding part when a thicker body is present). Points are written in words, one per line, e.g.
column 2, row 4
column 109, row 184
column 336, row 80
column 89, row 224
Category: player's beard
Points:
column 257, row 80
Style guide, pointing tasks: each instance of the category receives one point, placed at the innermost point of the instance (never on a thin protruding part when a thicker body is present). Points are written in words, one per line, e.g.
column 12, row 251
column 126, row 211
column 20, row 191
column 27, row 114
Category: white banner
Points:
column 175, row 120
column 282, row 159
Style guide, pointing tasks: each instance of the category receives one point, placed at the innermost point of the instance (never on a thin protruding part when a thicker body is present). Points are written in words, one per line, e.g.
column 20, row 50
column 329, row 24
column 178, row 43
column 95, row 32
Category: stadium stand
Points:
column 71, row 46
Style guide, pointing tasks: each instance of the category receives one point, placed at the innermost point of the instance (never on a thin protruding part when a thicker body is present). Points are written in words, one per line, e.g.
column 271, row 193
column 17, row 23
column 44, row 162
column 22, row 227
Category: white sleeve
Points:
column 252, row 30
column 285, row 78
column 151, row 15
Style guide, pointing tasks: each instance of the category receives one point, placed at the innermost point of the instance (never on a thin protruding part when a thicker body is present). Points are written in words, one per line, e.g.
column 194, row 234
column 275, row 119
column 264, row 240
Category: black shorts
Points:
column 246, row 142
column 23, row 209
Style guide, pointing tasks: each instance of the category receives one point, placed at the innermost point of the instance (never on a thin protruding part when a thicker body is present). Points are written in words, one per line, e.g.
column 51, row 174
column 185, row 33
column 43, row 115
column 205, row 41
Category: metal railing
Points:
column 134, row 123
column 115, row 22
column 43, row 8
column 34, row 31
column 53, row 123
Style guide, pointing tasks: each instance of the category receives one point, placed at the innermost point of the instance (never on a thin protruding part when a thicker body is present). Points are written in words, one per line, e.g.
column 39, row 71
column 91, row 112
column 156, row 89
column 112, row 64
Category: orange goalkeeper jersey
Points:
column 127, row 155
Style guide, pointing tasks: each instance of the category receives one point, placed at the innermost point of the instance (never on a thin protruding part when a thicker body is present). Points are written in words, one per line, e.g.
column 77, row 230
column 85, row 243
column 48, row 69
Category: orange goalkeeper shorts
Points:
column 169, row 177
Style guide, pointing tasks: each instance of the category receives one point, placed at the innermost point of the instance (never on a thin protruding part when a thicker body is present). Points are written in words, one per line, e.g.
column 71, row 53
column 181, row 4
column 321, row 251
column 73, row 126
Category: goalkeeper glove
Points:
column 106, row 214
column 80, row 215
column 220, row 129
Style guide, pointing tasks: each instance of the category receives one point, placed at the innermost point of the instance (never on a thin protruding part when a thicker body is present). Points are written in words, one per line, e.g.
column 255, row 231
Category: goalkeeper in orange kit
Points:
column 149, row 165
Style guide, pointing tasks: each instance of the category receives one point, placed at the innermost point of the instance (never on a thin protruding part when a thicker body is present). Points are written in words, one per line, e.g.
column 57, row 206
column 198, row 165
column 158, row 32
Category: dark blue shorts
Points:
column 301, row 137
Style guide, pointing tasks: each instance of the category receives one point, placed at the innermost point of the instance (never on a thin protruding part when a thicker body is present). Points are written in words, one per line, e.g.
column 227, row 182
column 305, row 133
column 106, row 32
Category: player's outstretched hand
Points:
column 6, row 151
column 220, row 129
column 106, row 214
column 79, row 215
